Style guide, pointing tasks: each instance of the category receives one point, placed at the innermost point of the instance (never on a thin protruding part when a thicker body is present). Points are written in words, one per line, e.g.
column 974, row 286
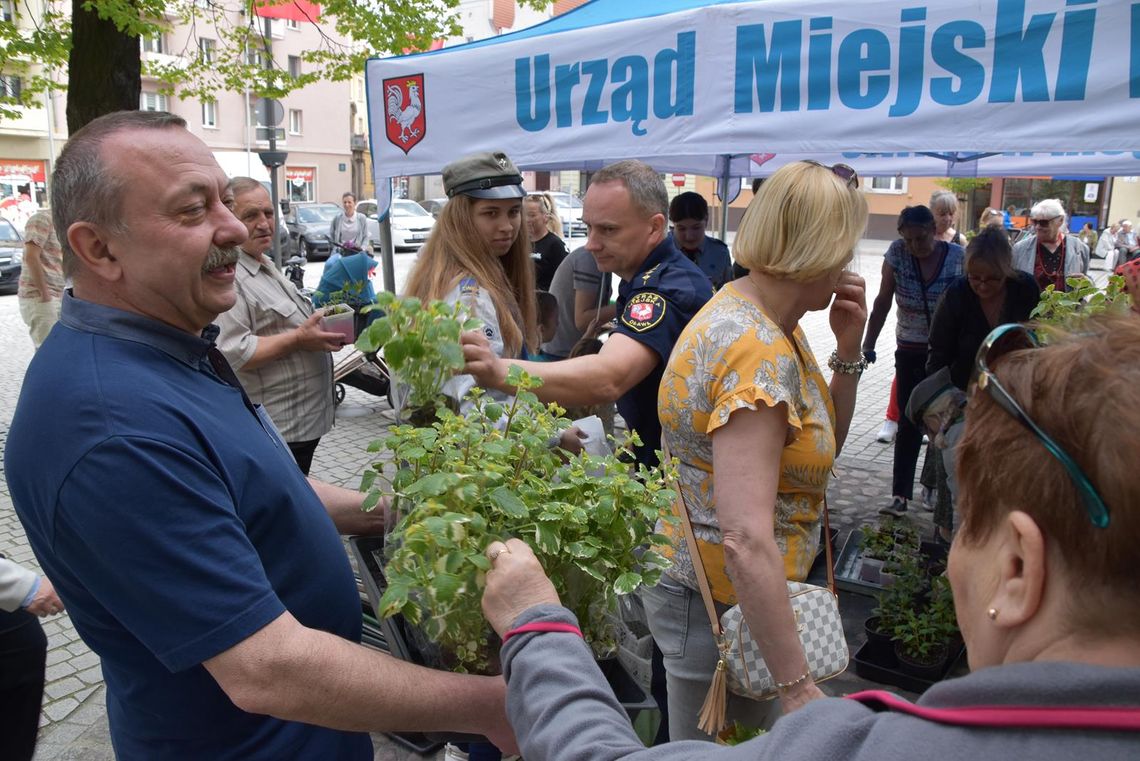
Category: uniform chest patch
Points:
column 644, row 311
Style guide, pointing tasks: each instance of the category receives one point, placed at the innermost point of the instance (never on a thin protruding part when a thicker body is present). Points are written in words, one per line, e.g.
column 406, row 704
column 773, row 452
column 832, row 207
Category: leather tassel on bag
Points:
column 712, row 716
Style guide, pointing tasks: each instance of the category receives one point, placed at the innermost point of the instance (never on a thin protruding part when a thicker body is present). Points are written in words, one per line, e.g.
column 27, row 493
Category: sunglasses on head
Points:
column 842, row 171
column 1012, row 337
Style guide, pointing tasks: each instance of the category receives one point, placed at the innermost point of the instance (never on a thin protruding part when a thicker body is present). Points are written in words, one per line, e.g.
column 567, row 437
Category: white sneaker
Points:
column 887, row 433
column 453, row 753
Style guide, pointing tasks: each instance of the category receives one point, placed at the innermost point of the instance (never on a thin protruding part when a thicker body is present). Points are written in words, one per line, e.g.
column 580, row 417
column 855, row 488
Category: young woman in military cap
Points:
column 478, row 254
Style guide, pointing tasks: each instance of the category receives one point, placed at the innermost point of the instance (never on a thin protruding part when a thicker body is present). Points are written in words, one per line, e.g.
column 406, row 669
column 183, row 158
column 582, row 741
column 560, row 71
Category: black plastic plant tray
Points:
column 868, row 666
column 369, row 553
column 849, row 562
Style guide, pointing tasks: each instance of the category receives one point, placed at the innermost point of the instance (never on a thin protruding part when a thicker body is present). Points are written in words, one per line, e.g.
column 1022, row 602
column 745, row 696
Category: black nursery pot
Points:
column 929, row 669
column 880, row 646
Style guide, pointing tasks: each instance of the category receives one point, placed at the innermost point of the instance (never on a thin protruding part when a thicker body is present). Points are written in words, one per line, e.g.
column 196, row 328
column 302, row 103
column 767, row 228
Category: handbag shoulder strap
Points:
column 699, row 565
column 827, row 547
column 695, row 555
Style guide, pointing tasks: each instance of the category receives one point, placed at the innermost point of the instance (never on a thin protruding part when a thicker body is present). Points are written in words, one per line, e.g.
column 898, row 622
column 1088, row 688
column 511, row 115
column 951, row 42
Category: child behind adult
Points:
column 547, row 322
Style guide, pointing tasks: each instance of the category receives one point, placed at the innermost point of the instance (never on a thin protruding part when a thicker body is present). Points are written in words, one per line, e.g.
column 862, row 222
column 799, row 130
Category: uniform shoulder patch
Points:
column 644, row 311
column 468, row 285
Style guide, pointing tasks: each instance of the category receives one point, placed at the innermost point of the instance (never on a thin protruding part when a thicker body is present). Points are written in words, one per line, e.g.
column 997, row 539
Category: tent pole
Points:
column 724, row 197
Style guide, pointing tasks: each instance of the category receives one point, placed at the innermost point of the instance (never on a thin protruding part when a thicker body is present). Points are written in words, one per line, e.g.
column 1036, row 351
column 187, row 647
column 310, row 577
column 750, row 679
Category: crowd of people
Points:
column 187, row 383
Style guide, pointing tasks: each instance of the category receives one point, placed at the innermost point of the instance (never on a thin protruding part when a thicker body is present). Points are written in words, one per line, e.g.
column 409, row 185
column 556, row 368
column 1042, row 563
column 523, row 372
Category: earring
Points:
column 992, row 613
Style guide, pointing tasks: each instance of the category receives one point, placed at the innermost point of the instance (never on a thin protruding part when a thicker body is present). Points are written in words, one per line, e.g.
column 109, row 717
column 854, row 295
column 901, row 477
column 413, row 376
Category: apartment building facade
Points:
column 317, row 130
column 316, row 127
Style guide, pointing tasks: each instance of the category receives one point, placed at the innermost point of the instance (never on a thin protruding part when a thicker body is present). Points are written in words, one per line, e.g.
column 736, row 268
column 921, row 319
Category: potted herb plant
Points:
column 466, row 481
column 920, row 645
column 942, row 610
column 1083, row 299
column 876, row 545
column 462, row 481
column 420, row 345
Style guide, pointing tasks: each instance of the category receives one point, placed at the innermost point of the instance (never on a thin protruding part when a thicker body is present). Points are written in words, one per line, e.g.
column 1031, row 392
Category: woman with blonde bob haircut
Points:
column 788, row 228
column 755, row 428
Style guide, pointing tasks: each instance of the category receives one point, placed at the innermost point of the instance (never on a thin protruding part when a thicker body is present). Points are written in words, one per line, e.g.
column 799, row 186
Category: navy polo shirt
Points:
column 174, row 523
column 653, row 308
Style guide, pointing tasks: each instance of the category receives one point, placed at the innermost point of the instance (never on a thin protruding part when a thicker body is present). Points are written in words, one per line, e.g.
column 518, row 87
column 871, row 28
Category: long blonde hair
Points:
column 456, row 250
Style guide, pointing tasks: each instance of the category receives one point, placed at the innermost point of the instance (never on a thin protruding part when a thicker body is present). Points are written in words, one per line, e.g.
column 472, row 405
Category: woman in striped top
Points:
column 917, row 269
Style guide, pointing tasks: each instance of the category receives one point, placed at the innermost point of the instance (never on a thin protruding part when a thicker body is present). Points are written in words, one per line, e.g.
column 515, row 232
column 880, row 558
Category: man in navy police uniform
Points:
column 625, row 211
column 689, row 213
column 193, row 555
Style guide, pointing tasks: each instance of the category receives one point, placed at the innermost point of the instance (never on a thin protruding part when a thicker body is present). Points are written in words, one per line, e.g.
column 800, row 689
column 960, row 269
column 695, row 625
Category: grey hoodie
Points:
column 562, row 710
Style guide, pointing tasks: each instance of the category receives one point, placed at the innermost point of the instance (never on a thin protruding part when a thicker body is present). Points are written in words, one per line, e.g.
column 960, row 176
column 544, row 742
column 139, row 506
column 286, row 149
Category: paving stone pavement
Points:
column 73, row 724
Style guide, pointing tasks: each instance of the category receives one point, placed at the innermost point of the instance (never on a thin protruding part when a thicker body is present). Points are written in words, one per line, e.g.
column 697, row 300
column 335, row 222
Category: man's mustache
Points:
column 221, row 257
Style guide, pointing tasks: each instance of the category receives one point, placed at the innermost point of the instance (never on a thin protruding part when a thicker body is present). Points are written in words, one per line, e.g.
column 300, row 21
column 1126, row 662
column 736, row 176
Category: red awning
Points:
column 291, row 10
column 25, row 167
column 300, row 173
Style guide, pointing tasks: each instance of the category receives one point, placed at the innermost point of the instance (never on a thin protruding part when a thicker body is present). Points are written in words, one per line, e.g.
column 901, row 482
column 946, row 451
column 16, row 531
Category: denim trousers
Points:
column 681, row 628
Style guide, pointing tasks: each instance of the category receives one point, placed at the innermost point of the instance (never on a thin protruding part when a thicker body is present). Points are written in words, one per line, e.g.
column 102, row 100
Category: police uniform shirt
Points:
column 653, row 308
column 713, row 259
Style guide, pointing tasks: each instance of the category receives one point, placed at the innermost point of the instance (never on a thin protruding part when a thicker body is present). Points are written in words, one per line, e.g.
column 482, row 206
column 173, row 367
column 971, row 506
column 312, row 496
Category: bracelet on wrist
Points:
column 782, row 686
column 543, row 627
column 847, row 368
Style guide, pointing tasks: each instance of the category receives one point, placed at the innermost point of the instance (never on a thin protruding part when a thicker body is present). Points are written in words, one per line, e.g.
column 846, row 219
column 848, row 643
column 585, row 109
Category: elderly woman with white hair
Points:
column 944, row 205
column 1049, row 254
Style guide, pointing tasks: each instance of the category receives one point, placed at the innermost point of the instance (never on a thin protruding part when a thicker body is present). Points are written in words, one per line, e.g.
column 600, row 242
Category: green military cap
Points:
column 490, row 174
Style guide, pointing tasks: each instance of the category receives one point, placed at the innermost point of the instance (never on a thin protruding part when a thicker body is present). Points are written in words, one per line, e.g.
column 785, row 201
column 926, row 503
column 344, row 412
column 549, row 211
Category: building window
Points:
column 153, row 44
column 152, row 101
column 11, row 86
column 295, row 66
column 299, row 180
column 292, row 24
column 209, row 113
column 8, row 10
column 893, row 184
column 254, row 57
column 295, row 122
column 206, row 48
column 255, row 119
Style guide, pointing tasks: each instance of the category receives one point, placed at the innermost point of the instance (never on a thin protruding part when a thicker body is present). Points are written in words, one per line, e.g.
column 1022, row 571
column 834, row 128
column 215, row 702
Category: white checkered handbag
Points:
column 816, row 613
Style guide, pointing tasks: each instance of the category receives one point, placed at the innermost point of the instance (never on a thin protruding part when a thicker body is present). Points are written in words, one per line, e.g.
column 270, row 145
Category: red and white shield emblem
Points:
column 404, row 117
column 641, row 311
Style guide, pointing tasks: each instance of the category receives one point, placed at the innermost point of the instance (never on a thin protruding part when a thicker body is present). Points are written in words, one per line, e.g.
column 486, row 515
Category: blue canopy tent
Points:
column 737, row 88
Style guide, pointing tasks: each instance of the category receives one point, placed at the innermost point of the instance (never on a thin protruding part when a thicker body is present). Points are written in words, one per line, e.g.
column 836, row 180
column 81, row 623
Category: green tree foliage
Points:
column 351, row 32
column 963, row 186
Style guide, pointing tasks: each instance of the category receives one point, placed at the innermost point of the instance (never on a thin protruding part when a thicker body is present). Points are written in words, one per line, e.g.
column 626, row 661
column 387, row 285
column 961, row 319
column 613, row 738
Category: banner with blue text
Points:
column 738, row 88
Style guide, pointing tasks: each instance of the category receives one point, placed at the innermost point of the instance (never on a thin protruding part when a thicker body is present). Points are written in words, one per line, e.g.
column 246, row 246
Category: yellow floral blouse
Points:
column 732, row 356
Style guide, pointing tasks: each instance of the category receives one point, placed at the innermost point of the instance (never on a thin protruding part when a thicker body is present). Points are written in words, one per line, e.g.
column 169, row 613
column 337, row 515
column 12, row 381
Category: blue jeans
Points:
column 681, row 628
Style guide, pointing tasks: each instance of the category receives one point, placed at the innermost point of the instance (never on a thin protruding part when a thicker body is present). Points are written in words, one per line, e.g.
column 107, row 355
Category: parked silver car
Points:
column 569, row 211
column 308, row 226
column 411, row 225
column 11, row 256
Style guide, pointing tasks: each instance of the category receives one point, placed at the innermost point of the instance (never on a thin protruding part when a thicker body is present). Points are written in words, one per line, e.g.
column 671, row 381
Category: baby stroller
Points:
column 347, row 279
